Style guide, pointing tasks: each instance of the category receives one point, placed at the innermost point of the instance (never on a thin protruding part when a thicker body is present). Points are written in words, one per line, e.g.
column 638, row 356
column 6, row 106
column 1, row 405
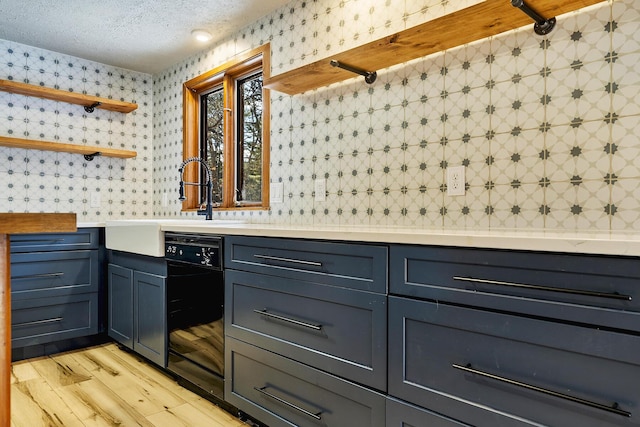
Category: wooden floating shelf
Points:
column 86, row 150
column 86, row 101
column 476, row 22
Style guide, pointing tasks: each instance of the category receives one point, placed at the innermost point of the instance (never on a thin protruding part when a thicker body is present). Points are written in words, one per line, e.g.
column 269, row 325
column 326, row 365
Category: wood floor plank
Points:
column 105, row 386
column 34, row 404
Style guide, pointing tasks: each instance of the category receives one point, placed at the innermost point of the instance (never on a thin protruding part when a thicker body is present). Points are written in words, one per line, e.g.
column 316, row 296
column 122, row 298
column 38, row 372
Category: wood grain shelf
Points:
column 86, row 101
column 86, row 150
column 476, row 22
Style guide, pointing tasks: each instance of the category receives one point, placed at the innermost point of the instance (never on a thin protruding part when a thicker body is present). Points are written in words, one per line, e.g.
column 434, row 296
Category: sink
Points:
column 145, row 236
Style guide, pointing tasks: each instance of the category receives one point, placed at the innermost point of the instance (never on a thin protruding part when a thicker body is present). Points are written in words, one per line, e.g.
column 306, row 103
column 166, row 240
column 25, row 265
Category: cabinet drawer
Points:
column 355, row 266
column 281, row 392
column 338, row 330
column 599, row 290
column 84, row 238
column 403, row 414
column 39, row 321
column 48, row 274
column 549, row 373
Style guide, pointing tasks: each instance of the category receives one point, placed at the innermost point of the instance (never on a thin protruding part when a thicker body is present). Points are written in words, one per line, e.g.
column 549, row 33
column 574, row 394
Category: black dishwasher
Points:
column 195, row 311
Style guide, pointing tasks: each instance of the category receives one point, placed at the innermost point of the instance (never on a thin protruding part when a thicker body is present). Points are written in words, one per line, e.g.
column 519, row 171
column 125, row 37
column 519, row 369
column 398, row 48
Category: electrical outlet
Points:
column 320, row 188
column 455, row 181
column 95, row 200
column 276, row 191
column 165, row 199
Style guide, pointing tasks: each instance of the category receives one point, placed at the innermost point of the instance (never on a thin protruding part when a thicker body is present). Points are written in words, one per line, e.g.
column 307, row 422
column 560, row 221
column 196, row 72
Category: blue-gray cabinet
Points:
column 514, row 338
column 305, row 330
column 136, row 298
column 55, row 288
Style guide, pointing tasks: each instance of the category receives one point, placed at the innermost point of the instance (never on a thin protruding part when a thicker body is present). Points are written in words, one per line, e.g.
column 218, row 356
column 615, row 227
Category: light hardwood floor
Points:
column 105, row 386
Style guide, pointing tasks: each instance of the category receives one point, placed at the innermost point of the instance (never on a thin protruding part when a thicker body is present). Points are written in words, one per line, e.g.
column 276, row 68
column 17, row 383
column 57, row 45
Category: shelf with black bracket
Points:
column 484, row 19
column 88, row 151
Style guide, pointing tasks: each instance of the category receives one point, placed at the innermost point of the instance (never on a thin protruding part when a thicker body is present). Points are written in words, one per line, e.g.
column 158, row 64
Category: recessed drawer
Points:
column 281, row 392
column 457, row 361
column 84, row 238
column 339, row 330
column 355, row 266
column 599, row 290
column 47, row 274
column 39, row 321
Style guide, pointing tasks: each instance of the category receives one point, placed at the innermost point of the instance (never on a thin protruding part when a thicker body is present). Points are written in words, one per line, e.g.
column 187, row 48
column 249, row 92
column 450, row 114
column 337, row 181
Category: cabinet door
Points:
column 120, row 301
column 150, row 331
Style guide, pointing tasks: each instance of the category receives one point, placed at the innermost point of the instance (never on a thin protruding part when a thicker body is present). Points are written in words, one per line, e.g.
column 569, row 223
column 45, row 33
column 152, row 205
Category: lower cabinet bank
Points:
column 457, row 337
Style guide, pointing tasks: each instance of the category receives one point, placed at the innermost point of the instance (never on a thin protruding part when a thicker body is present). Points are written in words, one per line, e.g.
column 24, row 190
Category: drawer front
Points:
column 355, row 266
column 403, row 414
column 39, row 321
column 338, row 330
column 47, row 274
column 583, row 288
column 544, row 372
column 84, row 238
column 281, row 392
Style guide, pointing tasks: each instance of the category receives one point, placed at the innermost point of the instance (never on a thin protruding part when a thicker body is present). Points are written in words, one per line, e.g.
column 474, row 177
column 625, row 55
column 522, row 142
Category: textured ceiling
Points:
column 141, row 35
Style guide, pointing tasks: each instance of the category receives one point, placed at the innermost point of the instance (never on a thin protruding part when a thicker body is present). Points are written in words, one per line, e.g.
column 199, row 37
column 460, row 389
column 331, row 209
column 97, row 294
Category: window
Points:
column 226, row 122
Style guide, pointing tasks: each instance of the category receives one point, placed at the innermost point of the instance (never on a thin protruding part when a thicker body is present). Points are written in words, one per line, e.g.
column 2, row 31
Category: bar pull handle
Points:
column 25, row 242
column 38, row 276
column 546, row 288
column 37, row 322
column 294, row 261
column 288, row 320
column 316, row 416
column 613, row 409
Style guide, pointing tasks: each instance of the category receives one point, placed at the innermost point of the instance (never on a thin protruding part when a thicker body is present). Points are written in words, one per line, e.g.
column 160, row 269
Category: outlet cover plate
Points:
column 455, row 181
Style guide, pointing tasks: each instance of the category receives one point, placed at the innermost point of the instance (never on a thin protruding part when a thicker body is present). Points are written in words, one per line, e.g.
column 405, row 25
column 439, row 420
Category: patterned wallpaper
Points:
column 547, row 127
column 45, row 181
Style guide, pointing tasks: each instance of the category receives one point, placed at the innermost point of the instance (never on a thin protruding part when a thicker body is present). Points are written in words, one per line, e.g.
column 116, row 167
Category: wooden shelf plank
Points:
column 65, row 96
column 476, row 22
column 6, row 141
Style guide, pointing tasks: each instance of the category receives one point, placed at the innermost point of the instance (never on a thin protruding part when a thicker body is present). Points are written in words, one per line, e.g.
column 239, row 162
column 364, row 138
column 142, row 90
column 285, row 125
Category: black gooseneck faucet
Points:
column 209, row 208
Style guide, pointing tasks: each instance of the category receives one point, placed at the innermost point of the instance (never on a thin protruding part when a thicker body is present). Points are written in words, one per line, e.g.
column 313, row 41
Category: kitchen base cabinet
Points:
column 56, row 285
column 137, row 304
column 496, row 369
column 282, row 392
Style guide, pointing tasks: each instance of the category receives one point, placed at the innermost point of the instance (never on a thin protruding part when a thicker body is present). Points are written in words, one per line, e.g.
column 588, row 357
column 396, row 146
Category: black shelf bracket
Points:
column 91, row 108
column 542, row 26
column 369, row 76
column 89, row 157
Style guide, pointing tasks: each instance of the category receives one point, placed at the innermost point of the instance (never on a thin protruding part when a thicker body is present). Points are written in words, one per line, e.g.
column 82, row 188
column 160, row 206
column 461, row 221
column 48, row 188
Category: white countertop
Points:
column 591, row 243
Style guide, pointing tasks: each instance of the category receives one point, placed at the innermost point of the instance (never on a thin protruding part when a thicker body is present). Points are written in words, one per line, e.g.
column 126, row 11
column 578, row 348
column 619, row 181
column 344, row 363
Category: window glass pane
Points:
column 249, row 141
column 212, row 140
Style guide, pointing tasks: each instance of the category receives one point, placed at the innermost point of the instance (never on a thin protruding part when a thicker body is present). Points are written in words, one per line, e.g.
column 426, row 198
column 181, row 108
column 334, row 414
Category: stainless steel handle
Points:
column 37, row 322
column 546, row 288
column 25, row 242
column 39, row 276
column 316, row 416
column 288, row 320
column 295, row 261
column 613, row 409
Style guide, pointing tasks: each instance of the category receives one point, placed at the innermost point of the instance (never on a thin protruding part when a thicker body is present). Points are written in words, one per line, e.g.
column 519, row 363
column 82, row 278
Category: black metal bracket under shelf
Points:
column 89, row 157
column 542, row 26
column 369, row 76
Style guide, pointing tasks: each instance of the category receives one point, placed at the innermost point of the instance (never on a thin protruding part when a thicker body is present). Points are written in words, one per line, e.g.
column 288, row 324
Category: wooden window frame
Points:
column 225, row 74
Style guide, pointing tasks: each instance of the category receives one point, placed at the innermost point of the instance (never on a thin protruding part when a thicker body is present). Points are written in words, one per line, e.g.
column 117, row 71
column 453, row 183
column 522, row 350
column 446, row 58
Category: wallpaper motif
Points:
column 44, row 181
column 547, row 127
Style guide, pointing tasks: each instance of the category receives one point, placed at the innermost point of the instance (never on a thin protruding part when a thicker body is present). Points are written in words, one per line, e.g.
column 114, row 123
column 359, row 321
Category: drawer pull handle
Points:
column 25, row 242
column 316, row 416
column 295, row 261
column 37, row 322
column 613, row 409
column 38, row 276
column 546, row 288
column 288, row 320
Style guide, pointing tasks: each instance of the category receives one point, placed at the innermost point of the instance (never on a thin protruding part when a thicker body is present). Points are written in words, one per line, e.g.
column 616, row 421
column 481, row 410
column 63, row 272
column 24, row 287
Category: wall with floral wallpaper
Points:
column 547, row 127
column 45, row 181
